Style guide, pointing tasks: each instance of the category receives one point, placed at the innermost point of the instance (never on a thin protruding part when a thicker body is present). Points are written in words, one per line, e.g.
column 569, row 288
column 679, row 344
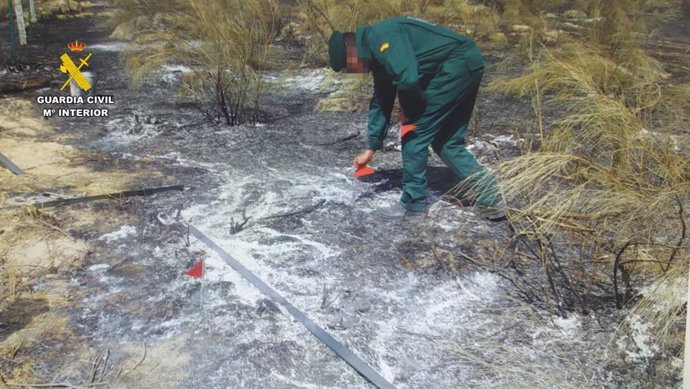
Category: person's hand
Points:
column 364, row 157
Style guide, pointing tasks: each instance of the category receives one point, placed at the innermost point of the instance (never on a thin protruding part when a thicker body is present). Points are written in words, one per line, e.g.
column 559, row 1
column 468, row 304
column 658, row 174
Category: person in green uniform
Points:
column 435, row 73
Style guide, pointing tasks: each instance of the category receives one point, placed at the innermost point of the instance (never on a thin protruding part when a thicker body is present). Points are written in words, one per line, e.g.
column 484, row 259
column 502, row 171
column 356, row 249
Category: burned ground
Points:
column 406, row 300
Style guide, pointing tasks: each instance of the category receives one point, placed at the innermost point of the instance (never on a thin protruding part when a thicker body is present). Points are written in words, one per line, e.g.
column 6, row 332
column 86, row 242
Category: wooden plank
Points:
column 4, row 161
column 19, row 82
column 117, row 195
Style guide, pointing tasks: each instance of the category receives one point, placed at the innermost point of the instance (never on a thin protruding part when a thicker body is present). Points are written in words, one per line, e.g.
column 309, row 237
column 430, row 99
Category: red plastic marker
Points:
column 196, row 271
column 362, row 170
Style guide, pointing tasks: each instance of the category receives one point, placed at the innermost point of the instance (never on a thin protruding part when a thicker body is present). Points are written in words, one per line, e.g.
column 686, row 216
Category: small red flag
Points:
column 363, row 170
column 196, row 271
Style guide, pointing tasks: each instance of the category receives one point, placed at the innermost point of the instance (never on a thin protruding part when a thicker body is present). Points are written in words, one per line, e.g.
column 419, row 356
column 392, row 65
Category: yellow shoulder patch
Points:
column 384, row 47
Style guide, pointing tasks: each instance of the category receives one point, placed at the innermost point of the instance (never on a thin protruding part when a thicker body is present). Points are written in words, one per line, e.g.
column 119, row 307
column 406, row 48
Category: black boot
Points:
column 494, row 213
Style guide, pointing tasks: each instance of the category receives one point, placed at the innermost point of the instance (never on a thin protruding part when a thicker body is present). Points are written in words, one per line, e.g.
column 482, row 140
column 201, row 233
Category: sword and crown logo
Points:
column 68, row 66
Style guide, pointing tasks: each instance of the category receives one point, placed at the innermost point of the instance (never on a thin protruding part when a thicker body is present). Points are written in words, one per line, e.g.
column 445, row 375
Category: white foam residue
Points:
column 126, row 130
column 182, row 161
column 121, row 233
column 326, row 251
column 442, row 312
column 176, row 68
column 329, row 185
column 193, row 212
column 569, row 326
column 510, row 139
column 171, row 73
column 109, row 46
column 386, row 331
column 308, row 80
column 674, row 292
column 265, row 165
column 293, row 383
column 100, row 266
column 641, row 336
column 232, row 195
column 479, row 289
column 344, row 190
column 386, row 199
column 386, row 370
column 175, row 323
column 302, row 191
column 447, row 216
column 214, row 221
column 241, row 251
column 218, row 270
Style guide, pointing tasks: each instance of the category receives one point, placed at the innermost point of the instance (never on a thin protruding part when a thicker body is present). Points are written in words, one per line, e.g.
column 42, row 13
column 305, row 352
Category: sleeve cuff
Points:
column 374, row 144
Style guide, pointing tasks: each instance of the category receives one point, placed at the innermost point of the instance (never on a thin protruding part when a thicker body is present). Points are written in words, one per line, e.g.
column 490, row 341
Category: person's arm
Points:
column 396, row 54
column 380, row 108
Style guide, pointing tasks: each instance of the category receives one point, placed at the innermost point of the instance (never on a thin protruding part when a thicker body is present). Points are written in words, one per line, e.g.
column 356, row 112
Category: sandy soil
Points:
column 40, row 248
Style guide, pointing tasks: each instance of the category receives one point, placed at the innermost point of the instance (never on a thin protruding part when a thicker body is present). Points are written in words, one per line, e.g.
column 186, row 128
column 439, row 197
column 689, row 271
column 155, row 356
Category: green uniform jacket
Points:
column 404, row 54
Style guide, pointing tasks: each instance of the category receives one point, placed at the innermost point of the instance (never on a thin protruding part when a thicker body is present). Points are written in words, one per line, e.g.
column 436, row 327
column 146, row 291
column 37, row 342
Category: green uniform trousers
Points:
column 450, row 98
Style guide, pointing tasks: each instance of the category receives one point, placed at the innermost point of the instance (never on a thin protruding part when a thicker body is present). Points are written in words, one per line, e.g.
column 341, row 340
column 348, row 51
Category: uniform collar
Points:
column 363, row 50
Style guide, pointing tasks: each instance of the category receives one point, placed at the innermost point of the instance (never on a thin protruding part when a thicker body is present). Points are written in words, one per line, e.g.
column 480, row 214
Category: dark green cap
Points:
column 336, row 51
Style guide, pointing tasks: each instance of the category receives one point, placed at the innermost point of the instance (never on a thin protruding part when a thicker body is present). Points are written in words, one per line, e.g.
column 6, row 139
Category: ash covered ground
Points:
column 402, row 298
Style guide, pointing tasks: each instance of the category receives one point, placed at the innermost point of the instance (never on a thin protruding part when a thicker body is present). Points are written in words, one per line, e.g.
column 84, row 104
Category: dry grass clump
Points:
column 475, row 20
column 10, row 278
column 629, row 21
column 503, row 366
column 600, row 196
column 31, row 324
column 318, row 18
column 49, row 166
column 33, row 243
column 223, row 42
column 322, row 16
column 37, row 243
column 527, row 12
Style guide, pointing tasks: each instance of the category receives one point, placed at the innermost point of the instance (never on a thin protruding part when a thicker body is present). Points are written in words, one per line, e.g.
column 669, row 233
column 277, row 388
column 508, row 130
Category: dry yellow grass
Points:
column 602, row 193
column 31, row 241
column 49, row 164
column 224, row 44
column 37, row 243
column 10, row 279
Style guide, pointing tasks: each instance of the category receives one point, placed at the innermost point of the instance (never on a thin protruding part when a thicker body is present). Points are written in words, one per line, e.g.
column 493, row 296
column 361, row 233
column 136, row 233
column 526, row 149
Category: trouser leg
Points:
column 449, row 144
column 450, row 100
column 414, row 181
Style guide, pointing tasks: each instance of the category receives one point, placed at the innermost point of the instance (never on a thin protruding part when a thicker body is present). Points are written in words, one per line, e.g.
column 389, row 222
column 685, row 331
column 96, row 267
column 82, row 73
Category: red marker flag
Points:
column 196, row 271
column 362, row 170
